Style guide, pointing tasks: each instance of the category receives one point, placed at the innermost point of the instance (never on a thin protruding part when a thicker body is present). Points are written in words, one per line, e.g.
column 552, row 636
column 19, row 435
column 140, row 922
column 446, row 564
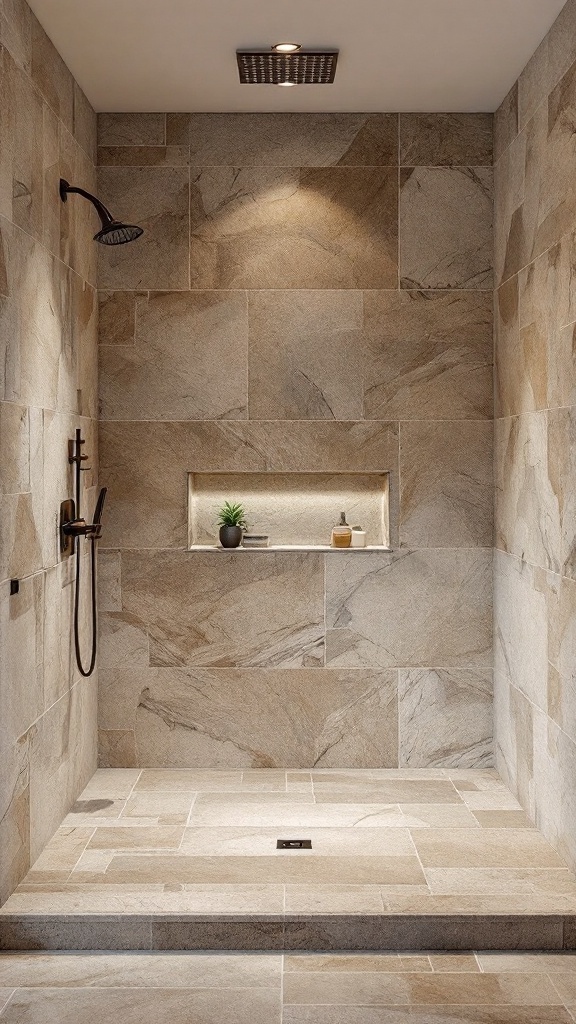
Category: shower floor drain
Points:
column 293, row 844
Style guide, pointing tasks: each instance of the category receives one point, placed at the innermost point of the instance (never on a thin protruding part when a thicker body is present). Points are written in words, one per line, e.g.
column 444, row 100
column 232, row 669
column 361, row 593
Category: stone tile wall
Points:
column 48, row 387
column 313, row 293
column 535, row 449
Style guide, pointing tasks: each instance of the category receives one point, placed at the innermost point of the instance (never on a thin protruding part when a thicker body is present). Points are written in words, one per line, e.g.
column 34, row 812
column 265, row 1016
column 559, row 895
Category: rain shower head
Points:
column 274, row 67
column 112, row 232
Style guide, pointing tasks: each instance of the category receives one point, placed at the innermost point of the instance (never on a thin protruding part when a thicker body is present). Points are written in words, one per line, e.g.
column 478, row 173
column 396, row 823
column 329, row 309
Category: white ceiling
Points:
column 429, row 55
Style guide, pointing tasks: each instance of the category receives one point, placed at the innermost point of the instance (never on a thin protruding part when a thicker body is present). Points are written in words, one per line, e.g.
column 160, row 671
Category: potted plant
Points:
column 231, row 520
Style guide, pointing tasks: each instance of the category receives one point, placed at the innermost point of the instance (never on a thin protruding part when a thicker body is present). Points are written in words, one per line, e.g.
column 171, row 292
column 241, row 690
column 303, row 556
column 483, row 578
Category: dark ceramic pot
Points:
column 230, row 536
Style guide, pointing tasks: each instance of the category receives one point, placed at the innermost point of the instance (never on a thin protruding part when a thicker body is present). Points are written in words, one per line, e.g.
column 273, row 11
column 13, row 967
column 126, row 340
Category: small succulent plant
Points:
column 231, row 515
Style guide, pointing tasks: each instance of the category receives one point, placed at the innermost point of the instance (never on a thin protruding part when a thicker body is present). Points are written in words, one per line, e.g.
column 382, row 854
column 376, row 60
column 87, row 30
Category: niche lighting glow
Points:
column 286, row 47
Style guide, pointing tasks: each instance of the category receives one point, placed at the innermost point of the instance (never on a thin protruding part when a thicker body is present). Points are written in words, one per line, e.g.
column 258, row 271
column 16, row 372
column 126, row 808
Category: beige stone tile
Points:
column 51, row 76
column 364, row 988
column 142, row 156
column 182, row 717
column 437, row 816
column 298, row 815
column 21, row 120
column 92, row 862
column 221, row 607
column 333, row 899
column 503, row 819
column 187, row 781
column 242, row 219
column 155, row 198
column 445, row 718
column 512, row 248
column 14, row 816
column 169, row 807
column 272, row 780
column 484, row 848
column 306, row 355
column 454, row 962
column 491, row 800
column 287, row 139
column 433, row 140
column 22, row 656
column 533, row 83
column 326, row 842
column 153, row 970
column 257, row 1006
column 527, row 963
column 15, row 433
column 506, row 122
column 131, row 129
column 112, row 784
column 425, row 1015
column 117, row 317
column 337, row 788
column 506, row 881
column 387, row 870
column 429, row 355
column 436, row 605
column 446, row 227
column 390, row 963
column 513, row 389
column 154, row 838
column 84, row 123
column 173, row 371
column 446, row 484
column 60, row 855
column 16, row 31
column 165, row 459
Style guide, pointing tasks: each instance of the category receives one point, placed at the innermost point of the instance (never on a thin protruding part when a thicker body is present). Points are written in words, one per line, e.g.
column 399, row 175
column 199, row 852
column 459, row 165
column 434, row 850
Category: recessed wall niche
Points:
column 296, row 510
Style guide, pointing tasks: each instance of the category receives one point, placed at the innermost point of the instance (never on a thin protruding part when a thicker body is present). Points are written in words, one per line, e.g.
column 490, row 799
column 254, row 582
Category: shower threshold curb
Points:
column 313, row 932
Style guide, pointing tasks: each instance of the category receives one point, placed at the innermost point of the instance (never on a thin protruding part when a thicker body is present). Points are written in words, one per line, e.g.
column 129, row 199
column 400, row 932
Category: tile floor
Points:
column 271, row 988
column 422, row 842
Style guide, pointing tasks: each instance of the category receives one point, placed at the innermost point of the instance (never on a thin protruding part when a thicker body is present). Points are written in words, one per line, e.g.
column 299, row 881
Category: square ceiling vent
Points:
column 306, row 67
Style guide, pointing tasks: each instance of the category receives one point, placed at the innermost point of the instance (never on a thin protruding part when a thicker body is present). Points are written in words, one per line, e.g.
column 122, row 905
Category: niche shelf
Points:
column 296, row 510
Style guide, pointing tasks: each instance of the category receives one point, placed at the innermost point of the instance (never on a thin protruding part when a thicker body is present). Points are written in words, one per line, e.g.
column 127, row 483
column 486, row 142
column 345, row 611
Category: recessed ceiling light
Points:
column 287, row 47
column 286, row 83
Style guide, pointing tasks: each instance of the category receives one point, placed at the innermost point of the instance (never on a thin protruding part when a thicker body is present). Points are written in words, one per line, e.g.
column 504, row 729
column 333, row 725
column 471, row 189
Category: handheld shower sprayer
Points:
column 72, row 528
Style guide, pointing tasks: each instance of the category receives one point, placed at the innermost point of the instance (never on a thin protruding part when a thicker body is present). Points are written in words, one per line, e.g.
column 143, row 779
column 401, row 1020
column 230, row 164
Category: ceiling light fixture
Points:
column 275, row 67
column 286, row 47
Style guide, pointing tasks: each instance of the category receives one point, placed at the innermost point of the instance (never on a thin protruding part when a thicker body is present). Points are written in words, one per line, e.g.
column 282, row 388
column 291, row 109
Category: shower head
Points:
column 112, row 232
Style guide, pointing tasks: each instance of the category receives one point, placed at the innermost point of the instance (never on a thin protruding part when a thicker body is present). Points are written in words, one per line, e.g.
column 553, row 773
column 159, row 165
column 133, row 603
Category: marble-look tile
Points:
column 22, row 656
column 131, row 129
column 484, row 848
column 446, row 227
column 445, row 717
column 446, row 484
column 137, row 514
column 51, row 76
column 243, row 219
column 84, row 125
column 513, row 388
column 207, row 971
column 117, row 317
column 14, row 815
column 252, row 1006
column 434, row 140
column 78, row 220
column 512, row 246
column 143, row 156
column 506, row 122
column 534, row 471
column 218, row 625
column 554, row 767
column 521, row 634
column 16, row 31
column 306, row 354
column 365, row 989
column 21, row 122
column 184, row 717
column 414, row 608
column 155, row 198
column 429, row 355
column 286, row 140
column 173, row 371
column 386, row 870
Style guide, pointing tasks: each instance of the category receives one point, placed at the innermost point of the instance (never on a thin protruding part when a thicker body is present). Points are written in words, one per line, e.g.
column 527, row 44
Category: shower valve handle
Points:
column 80, row 528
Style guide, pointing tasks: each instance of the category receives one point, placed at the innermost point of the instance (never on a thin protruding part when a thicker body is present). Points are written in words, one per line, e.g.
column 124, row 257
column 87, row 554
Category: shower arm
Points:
column 103, row 211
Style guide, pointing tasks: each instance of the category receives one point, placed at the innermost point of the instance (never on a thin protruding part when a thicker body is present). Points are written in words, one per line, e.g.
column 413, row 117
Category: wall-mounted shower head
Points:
column 112, row 232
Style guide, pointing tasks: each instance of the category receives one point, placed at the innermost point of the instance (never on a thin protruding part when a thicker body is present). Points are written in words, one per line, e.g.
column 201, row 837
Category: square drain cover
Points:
column 293, row 844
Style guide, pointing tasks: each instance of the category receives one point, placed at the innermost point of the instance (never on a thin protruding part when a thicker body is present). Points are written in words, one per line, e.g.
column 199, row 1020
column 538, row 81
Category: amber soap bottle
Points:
column 342, row 534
